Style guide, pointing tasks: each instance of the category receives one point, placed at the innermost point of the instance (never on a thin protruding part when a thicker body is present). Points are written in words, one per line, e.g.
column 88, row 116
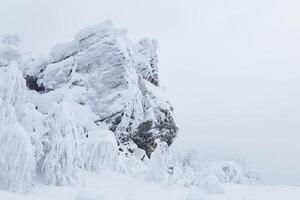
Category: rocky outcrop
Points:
column 117, row 79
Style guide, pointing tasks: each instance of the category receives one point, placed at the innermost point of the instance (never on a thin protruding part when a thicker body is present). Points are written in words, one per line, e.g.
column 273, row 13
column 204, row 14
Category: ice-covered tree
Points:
column 158, row 165
column 17, row 164
column 63, row 163
column 7, row 114
column 35, row 125
column 99, row 150
column 12, row 87
column 11, row 40
column 9, row 49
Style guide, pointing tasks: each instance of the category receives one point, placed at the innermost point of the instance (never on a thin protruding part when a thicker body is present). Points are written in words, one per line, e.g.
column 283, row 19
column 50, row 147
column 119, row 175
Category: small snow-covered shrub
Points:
column 231, row 172
column 170, row 167
column 99, row 151
column 252, row 177
column 17, row 164
column 158, row 165
column 62, row 163
column 131, row 165
column 209, row 182
column 227, row 171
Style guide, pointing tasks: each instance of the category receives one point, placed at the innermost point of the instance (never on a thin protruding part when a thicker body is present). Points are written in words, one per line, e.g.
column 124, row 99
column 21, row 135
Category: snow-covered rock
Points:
column 119, row 80
column 58, row 73
column 148, row 70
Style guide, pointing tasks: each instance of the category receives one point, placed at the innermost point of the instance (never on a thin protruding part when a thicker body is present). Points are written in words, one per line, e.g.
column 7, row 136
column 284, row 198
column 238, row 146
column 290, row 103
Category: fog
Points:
column 230, row 67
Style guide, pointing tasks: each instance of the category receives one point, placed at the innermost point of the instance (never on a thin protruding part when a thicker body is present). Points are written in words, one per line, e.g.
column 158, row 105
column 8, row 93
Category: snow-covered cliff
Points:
column 95, row 103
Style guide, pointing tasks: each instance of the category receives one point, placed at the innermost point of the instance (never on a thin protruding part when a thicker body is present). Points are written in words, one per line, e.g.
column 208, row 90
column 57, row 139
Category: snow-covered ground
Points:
column 112, row 186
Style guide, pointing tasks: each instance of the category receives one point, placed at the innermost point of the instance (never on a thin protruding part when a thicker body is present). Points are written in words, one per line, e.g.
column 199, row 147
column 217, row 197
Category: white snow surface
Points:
column 112, row 186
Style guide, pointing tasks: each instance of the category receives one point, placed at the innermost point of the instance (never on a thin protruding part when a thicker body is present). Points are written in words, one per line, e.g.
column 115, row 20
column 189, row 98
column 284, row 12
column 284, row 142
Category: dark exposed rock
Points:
column 31, row 83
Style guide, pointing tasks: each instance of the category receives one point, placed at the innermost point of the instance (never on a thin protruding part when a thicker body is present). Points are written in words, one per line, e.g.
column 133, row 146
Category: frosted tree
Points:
column 99, row 150
column 62, row 161
column 9, row 49
column 175, row 168
column 7, row 114
column 17, row 164
column 12, row 87
column 35, row 125
column 11, row 40
column 133, row 163
column 233, row 172
column 158, row 165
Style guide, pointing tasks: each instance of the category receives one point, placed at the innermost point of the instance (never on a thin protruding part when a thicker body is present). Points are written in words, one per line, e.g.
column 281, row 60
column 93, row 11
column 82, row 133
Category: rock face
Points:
column 117, row 79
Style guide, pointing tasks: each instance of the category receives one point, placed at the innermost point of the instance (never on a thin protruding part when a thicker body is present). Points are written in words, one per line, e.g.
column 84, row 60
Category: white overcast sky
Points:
column 230, row 67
